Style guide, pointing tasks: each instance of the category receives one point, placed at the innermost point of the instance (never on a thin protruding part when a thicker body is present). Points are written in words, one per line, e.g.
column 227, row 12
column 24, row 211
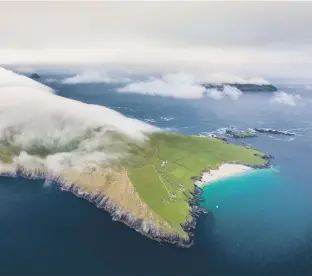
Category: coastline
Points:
column 223, row 171
column 145, row 227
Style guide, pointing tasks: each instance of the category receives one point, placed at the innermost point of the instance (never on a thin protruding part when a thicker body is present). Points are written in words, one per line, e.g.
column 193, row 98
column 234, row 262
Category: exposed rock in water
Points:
column 274, row 131
column 265, row 156
column 218, row 137
column 240, row 134
column 244, row 87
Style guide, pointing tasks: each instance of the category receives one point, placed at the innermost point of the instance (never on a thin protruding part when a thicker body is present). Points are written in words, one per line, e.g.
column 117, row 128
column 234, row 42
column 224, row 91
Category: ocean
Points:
column 262, row 220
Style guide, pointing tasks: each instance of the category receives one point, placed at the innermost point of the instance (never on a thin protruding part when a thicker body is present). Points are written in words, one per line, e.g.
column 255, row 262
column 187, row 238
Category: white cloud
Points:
column 73, row 133
column 169, row 85
column 232, row 92
column 308, row 87
column 10, row 79
column 249, row 38
column 93, row 77
column 184, row 86
column 205, row 23
column 227, row 91
column 215, row 94
column 25, row 70
column 230, row 78
column 281, row 97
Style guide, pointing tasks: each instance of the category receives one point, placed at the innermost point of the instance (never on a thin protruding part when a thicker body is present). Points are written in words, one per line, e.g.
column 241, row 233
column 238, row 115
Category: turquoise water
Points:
column 249, row 205
column 263, row 226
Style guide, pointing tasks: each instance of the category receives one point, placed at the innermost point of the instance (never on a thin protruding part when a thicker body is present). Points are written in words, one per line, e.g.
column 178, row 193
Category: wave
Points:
column 282, row 139
column 150, row 120
column 300, row 129
column 227, row 132
column 274, row 131
column 167, row 118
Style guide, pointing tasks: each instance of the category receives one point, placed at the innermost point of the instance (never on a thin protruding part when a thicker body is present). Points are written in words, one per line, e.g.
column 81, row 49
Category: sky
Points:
column 248, row 38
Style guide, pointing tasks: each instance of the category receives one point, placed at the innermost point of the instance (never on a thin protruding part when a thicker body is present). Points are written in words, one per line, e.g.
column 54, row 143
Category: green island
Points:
column 240, row 134
column 152, row 188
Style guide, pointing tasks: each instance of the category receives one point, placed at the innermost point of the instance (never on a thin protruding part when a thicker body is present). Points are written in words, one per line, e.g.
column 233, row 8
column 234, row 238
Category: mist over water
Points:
column 263, row 223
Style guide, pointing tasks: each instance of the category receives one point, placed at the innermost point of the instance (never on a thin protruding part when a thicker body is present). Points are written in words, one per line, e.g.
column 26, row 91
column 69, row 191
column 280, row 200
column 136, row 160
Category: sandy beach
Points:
column 225, row 170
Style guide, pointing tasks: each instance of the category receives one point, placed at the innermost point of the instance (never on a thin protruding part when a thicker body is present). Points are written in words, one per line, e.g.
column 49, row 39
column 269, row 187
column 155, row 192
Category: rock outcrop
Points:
column 244, row 87
column 274, row 131
column 35, row 76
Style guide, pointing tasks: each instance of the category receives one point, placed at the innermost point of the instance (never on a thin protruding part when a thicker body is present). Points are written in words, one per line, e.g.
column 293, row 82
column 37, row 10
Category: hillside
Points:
column 151, row 188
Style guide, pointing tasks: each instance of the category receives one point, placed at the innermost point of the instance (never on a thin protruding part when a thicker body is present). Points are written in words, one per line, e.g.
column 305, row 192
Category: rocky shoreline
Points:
column 146, row 228
column 101, row 201
column 274, row 131
column 244, row 87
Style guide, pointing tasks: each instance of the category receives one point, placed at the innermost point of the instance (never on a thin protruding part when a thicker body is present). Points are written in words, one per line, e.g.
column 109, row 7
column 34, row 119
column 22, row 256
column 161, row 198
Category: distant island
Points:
column 35, row 76
column 244, row 87
column 274, row 131
column 240, row 134
column 155, row 188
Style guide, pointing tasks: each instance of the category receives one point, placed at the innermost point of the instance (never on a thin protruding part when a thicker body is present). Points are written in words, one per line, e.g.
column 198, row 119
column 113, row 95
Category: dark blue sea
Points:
column 263, row 220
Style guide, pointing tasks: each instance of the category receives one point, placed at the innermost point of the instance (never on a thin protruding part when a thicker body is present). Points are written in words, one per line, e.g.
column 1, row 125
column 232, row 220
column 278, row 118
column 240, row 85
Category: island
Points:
column 274, row 131
column 240, row 134
column 154, row 189
column 35, row 76
column 244, row 87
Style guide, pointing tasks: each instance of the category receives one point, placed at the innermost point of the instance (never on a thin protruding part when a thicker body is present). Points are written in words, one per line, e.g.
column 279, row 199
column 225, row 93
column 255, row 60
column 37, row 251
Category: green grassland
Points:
column 245, row 134
column 166, row 188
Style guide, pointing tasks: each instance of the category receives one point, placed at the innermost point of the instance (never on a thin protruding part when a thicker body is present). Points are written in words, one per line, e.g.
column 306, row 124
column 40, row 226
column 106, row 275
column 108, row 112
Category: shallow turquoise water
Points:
column 249, row 205
column 44, row 231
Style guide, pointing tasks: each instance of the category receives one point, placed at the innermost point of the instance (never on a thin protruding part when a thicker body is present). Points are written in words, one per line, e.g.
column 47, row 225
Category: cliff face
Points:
column 116, row 196
column 113, row 191
column 157, row 199
column 244, row 87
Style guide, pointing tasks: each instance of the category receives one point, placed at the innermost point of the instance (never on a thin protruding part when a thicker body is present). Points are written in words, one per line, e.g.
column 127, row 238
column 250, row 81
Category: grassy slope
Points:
column 186, row 156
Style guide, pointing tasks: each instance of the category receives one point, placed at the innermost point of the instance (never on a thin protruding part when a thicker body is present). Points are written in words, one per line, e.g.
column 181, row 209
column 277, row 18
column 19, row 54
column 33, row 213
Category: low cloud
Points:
column 25, row 70
column 308, row 87
column 9, row 79
column 185, row 86
column 70, row 133
column 94, row 77
column 281, row 97
column 228, row 91
column 178, row 85
column 230, row 78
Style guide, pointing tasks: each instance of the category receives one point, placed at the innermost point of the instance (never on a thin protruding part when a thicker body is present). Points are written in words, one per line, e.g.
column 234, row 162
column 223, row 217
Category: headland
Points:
column 152, row 188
